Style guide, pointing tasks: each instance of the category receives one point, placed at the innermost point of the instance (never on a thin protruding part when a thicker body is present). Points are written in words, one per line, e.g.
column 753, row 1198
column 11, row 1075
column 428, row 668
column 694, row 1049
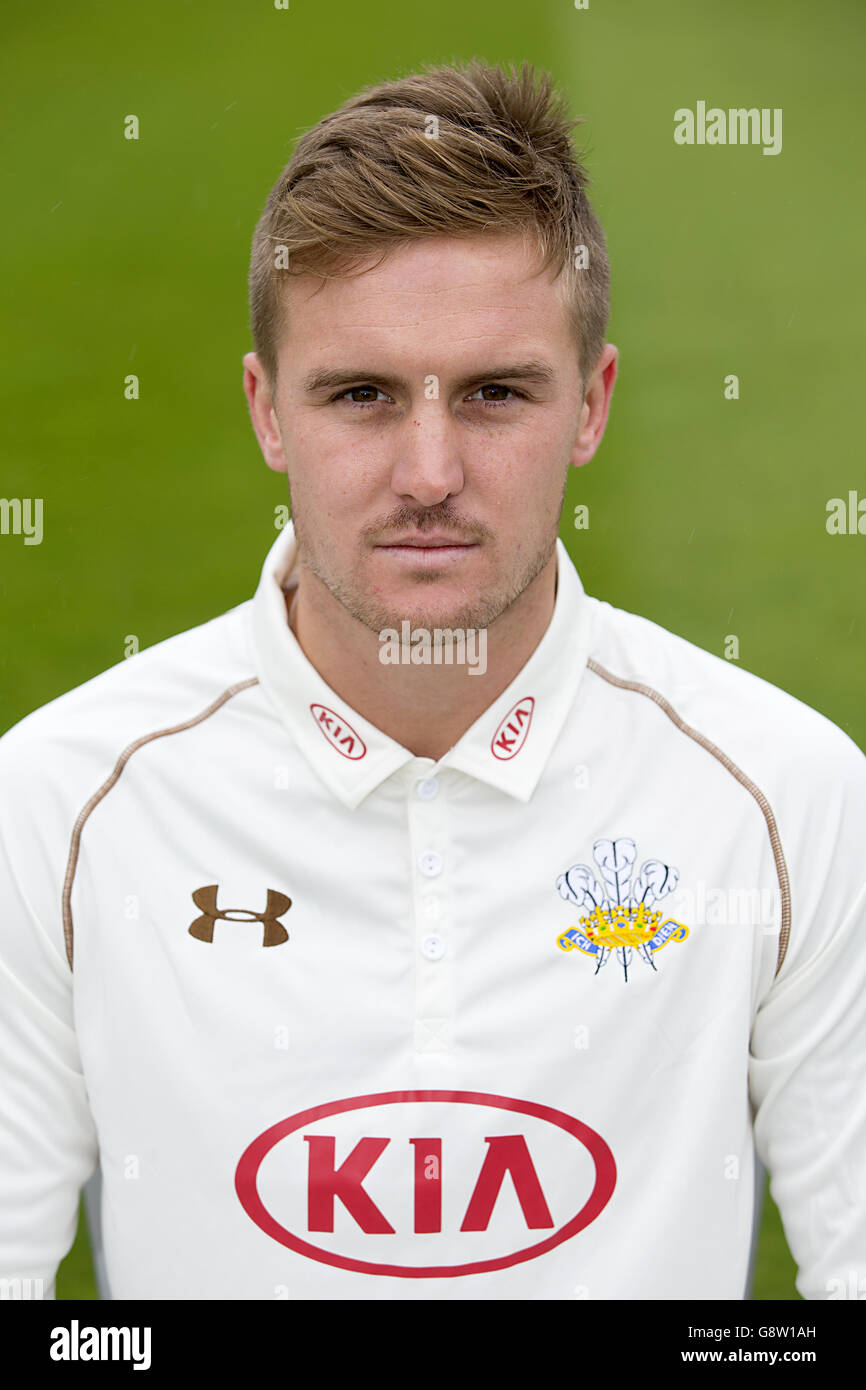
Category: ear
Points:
column 596, row 405
column 262, row 413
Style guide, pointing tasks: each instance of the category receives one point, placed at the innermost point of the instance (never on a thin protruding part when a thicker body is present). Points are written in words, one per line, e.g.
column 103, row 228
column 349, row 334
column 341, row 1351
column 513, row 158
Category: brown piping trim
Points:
column 775, row 841
column 94, row 801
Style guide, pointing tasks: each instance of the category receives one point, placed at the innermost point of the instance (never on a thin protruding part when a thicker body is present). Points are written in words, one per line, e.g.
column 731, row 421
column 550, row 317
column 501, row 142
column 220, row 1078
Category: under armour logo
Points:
column 206, row 898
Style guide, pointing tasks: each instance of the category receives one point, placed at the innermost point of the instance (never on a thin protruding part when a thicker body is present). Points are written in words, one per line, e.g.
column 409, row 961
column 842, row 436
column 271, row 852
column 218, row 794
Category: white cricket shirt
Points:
column 342, row 1023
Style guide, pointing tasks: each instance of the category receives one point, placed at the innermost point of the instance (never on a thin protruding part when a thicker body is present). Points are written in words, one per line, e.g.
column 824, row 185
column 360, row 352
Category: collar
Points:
column 507, row 747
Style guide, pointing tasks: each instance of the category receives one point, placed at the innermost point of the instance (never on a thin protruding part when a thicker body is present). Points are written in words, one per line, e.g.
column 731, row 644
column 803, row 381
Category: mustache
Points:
column 442, row 517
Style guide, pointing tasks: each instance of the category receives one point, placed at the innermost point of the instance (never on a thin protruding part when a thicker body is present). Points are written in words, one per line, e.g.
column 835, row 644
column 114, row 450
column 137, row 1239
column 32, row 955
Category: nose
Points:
column 428, row 467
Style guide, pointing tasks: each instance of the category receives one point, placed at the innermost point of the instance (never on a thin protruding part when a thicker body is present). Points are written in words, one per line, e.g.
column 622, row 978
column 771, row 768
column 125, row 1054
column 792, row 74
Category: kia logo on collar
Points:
column 338, row 732
column 511, row 734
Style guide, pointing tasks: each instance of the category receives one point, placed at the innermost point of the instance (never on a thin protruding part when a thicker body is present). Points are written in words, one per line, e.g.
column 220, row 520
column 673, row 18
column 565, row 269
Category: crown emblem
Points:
column 621, row 919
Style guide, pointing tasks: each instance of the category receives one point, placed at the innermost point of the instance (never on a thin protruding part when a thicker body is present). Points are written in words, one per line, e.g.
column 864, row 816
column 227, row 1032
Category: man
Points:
column 367, row 970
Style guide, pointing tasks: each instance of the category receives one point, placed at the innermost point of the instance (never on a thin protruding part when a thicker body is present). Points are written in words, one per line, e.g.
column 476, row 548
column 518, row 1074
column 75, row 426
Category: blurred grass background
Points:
column 706, row 515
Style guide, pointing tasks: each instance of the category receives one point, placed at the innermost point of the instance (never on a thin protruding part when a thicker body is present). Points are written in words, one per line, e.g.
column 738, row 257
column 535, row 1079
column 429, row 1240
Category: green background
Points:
column 706, row 515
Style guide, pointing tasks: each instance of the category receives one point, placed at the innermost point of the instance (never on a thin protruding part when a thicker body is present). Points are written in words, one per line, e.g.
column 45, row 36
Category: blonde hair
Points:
column 451, row 151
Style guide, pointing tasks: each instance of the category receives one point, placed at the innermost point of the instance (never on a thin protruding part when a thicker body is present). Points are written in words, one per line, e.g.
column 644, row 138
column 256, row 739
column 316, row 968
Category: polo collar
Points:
column 507, row 747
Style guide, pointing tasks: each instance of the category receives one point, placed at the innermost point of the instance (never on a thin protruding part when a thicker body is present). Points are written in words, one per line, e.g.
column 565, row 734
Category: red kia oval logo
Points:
column 511, row 734
column 338, row 732
column 425, row 1177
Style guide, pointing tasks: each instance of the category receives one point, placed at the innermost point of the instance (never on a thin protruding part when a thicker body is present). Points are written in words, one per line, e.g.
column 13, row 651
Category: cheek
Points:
column 329, row 478
column 526, row 472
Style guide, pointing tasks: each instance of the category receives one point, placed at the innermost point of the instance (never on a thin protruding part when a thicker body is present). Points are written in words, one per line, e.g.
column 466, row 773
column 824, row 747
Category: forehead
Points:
column 437, row 297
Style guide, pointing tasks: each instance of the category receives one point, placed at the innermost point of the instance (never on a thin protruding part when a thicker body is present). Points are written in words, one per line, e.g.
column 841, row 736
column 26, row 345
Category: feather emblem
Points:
column 620, row 918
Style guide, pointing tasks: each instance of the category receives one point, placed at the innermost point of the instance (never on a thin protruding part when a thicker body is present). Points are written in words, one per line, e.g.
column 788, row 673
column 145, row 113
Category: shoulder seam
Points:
column 111, row 780
column 737, row 772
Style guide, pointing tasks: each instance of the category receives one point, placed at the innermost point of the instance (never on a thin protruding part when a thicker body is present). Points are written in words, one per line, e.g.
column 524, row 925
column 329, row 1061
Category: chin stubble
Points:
column 479, row 614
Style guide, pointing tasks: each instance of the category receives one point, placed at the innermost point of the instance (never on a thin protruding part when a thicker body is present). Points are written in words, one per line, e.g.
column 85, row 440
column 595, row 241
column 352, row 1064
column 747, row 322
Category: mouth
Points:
column 431, row 549
column 421, row 541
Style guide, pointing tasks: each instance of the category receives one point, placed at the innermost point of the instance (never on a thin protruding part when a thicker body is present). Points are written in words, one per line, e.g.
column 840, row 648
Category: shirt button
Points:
column 432, row 948
column 428, row 789
column 431, row 907
column 430, row 864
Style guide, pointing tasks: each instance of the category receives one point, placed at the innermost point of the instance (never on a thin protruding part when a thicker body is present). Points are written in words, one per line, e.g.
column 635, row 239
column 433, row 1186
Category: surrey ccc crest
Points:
column 621, row 918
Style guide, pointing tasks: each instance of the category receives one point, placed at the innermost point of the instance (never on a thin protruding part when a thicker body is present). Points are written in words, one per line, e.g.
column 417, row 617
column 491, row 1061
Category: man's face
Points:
column 426, row 413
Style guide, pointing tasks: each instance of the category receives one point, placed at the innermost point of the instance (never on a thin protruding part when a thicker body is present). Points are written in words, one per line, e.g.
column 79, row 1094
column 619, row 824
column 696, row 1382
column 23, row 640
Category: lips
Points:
column 425, row 543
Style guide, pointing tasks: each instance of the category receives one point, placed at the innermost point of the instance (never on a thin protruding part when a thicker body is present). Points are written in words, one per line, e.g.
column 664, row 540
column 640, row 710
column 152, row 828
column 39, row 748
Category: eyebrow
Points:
column 541, row 373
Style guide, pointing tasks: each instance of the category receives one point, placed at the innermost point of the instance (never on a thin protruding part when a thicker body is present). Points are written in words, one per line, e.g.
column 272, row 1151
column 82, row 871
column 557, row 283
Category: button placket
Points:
column 432, row 917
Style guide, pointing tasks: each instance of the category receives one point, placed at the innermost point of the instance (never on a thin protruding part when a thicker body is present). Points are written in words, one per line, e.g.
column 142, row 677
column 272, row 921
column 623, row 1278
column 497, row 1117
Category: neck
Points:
column 426, row 708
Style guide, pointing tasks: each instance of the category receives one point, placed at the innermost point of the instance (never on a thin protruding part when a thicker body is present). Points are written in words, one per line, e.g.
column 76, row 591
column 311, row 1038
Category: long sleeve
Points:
column 808, row 1084
column 48, row 1144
